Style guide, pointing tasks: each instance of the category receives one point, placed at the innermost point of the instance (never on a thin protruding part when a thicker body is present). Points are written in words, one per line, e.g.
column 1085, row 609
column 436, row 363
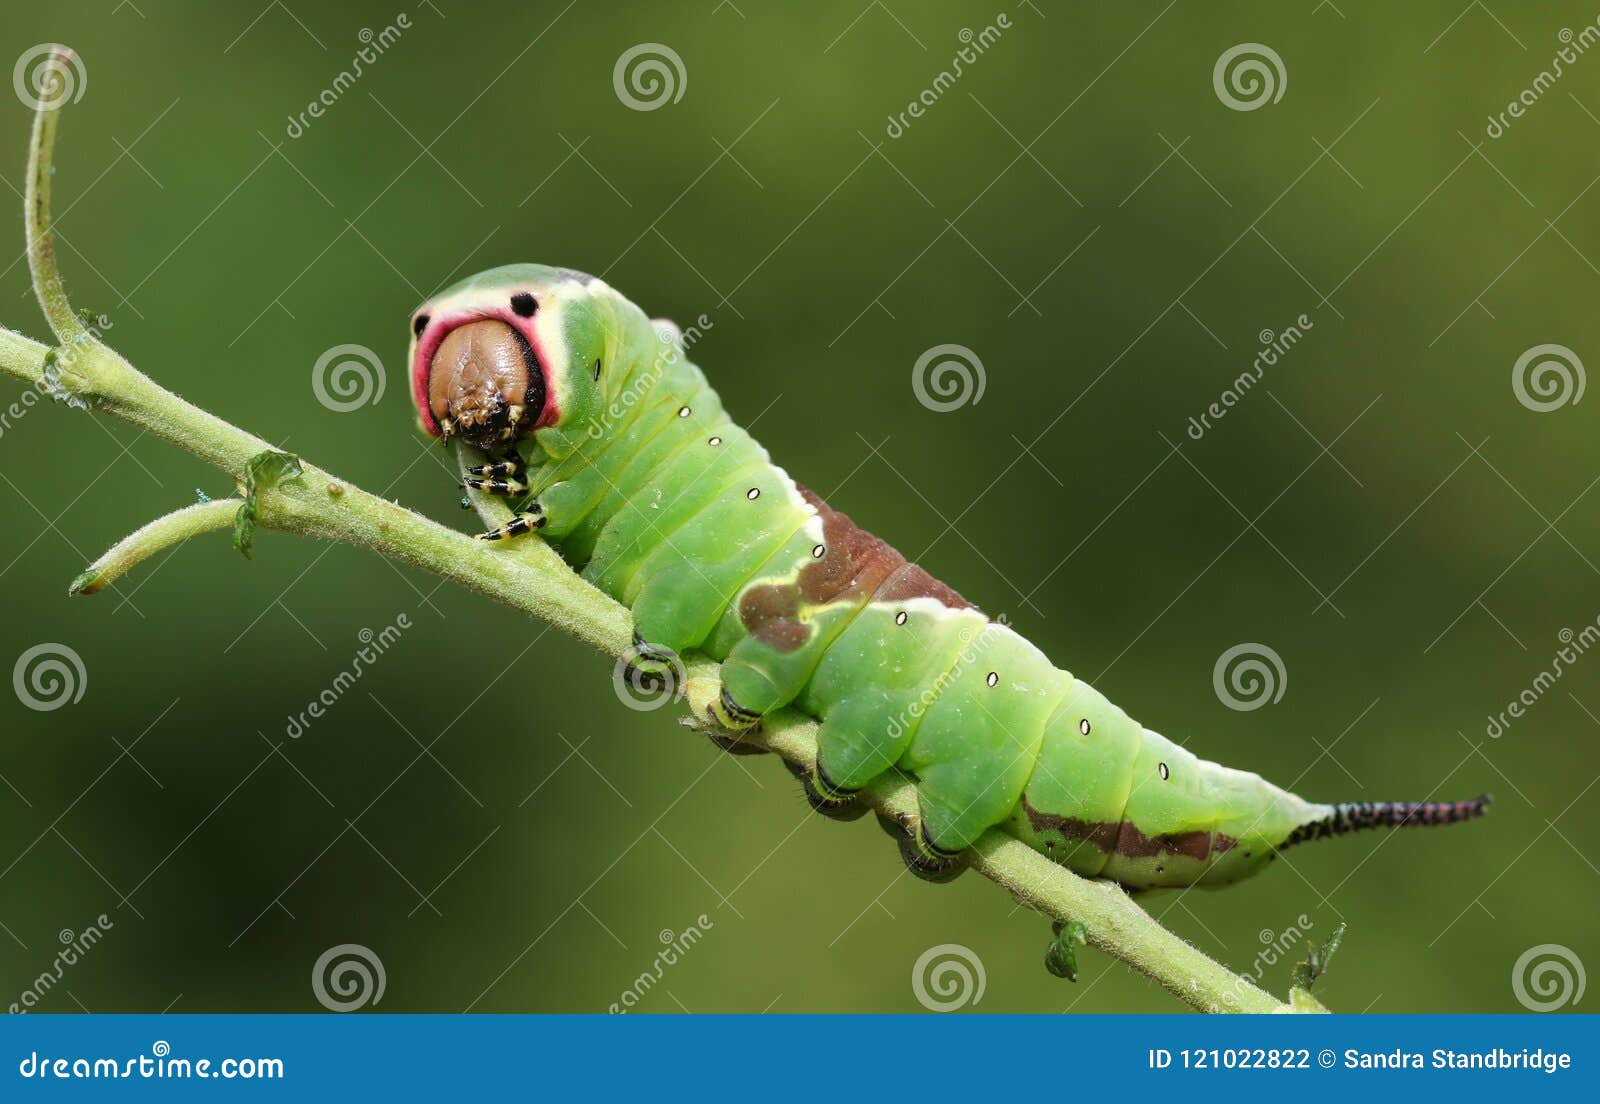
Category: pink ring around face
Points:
column 434, row 333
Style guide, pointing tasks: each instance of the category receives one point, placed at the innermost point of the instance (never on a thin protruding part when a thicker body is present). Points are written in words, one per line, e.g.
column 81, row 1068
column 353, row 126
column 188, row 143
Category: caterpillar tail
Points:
column 1356, row 816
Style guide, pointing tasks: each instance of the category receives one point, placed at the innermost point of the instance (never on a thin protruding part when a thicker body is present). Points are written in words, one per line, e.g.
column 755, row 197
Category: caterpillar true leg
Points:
column 508, row 465
column 506, row 487
column 499, row 476
column 527, row 521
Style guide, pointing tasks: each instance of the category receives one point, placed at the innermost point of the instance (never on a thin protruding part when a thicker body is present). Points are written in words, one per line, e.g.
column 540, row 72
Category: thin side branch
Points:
column 528, row 576
column 162, row 533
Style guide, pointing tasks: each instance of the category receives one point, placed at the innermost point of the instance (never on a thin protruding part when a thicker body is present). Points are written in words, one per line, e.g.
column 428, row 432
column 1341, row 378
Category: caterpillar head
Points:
column 513, row 352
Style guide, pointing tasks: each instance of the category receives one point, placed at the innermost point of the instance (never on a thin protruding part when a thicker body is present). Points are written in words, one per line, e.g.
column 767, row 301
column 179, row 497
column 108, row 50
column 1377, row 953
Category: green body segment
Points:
column 663, row 502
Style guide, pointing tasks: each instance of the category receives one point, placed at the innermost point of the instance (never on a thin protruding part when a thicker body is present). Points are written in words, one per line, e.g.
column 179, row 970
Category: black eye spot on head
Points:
column 524, row 304
column 1161, row 768
column 420, row 324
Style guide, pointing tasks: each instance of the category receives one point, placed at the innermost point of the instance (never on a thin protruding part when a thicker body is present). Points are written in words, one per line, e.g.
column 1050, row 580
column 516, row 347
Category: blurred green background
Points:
column 1083, row 212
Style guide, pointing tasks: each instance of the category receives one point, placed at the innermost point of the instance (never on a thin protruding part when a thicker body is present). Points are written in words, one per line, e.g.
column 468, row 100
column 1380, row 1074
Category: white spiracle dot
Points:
column 753, row 494
column 1083, row 726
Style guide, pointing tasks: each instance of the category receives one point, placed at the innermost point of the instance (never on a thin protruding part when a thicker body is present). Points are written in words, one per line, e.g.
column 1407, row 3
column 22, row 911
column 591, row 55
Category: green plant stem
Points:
column 527, row 575
column 162, row 533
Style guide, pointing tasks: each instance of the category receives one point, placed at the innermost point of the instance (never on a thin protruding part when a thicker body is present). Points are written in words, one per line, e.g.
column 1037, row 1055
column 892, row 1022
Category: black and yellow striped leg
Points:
column 506, row 466
column 500, row 476
column 509, row 486
column 527, row 521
